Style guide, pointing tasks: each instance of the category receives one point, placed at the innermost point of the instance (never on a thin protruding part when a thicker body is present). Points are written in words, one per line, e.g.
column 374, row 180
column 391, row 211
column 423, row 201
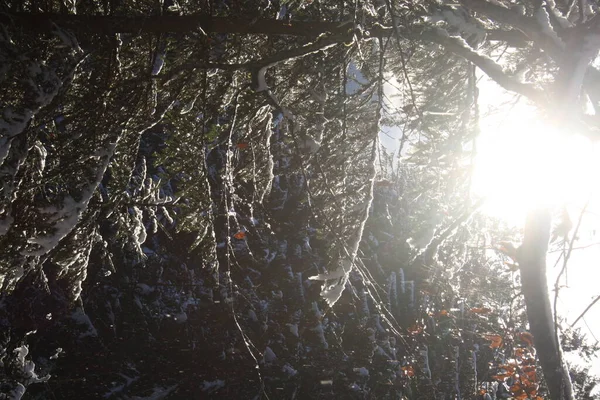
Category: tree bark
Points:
column 532, row 260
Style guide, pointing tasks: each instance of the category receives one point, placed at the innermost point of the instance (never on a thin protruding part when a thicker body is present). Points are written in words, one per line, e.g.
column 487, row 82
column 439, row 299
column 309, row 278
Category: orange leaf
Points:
column 480, row 310
column 496, row 341
column 443, row 313
column 515, row 388
column 242, row 146
column 408, row 371
column 529, row 372
column 526, row 337
column 501, row 377
column 415, row 329
column 481, row 392
column 507, row 367
column 240, row 235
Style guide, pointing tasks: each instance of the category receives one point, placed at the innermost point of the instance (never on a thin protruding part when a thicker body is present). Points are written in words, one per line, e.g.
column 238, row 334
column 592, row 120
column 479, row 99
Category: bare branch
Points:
column 585, row 311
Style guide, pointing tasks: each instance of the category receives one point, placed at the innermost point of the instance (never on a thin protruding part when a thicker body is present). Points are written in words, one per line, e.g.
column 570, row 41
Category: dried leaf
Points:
column 408, row 371
column 415, row 329
column 526, row 337
column 496, row 341
column 480, row 310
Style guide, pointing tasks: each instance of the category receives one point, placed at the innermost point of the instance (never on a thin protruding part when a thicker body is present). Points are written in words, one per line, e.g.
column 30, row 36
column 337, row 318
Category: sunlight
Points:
column 524, row 163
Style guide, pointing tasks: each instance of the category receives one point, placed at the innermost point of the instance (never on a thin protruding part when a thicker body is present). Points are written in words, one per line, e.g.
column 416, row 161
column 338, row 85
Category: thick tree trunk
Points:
column 532, row 260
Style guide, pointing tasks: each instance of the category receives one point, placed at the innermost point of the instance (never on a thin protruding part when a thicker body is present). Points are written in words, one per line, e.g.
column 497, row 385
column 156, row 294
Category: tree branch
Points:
column 486, row 64
column 111, row 24
column 527, row 25
column 585, row 311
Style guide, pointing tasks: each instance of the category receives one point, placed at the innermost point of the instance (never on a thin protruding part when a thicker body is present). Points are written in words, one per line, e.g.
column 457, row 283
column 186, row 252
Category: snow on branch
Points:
column 63, row 219
column 459, row 47
column 529, row 26
column 335, row 280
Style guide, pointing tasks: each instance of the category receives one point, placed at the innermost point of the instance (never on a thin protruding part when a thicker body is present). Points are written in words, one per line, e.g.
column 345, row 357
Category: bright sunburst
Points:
column 523, row 162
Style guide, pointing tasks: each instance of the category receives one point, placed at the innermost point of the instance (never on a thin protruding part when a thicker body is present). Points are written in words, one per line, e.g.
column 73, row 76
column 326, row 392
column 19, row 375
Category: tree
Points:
column 254, row 141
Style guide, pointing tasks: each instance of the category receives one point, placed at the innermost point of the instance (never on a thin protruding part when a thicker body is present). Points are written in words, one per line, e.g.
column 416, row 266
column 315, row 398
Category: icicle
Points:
column 269, row 356
column 288, row 370
column 402, row 282
column 300, row 286
column 319, row 328
column 457, row 372
column 270, row 163
column 392, row 290
column 364, row 302
column 43, row 153
column 474, row 365
column 424, row 353
column 139, row 230
column 411, row 294
column 261, row 83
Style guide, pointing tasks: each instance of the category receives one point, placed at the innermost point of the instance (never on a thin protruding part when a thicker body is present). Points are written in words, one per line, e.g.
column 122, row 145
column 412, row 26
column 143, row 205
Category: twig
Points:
column 585, row 311
column 564, row 268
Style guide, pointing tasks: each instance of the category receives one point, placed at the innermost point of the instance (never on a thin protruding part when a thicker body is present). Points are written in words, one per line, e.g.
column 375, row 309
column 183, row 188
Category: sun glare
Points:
column 524, row 163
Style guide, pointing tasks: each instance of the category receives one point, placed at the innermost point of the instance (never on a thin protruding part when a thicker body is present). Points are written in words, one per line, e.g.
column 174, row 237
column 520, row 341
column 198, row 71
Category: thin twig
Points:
column 585, row 311
column 564, row 268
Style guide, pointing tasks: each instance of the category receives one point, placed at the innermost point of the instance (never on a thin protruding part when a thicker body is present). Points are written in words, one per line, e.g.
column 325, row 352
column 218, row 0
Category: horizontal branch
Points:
column 111, row 24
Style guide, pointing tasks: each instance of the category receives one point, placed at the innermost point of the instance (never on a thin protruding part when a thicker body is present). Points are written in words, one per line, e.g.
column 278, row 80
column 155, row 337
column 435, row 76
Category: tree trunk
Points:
column 532, row 260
